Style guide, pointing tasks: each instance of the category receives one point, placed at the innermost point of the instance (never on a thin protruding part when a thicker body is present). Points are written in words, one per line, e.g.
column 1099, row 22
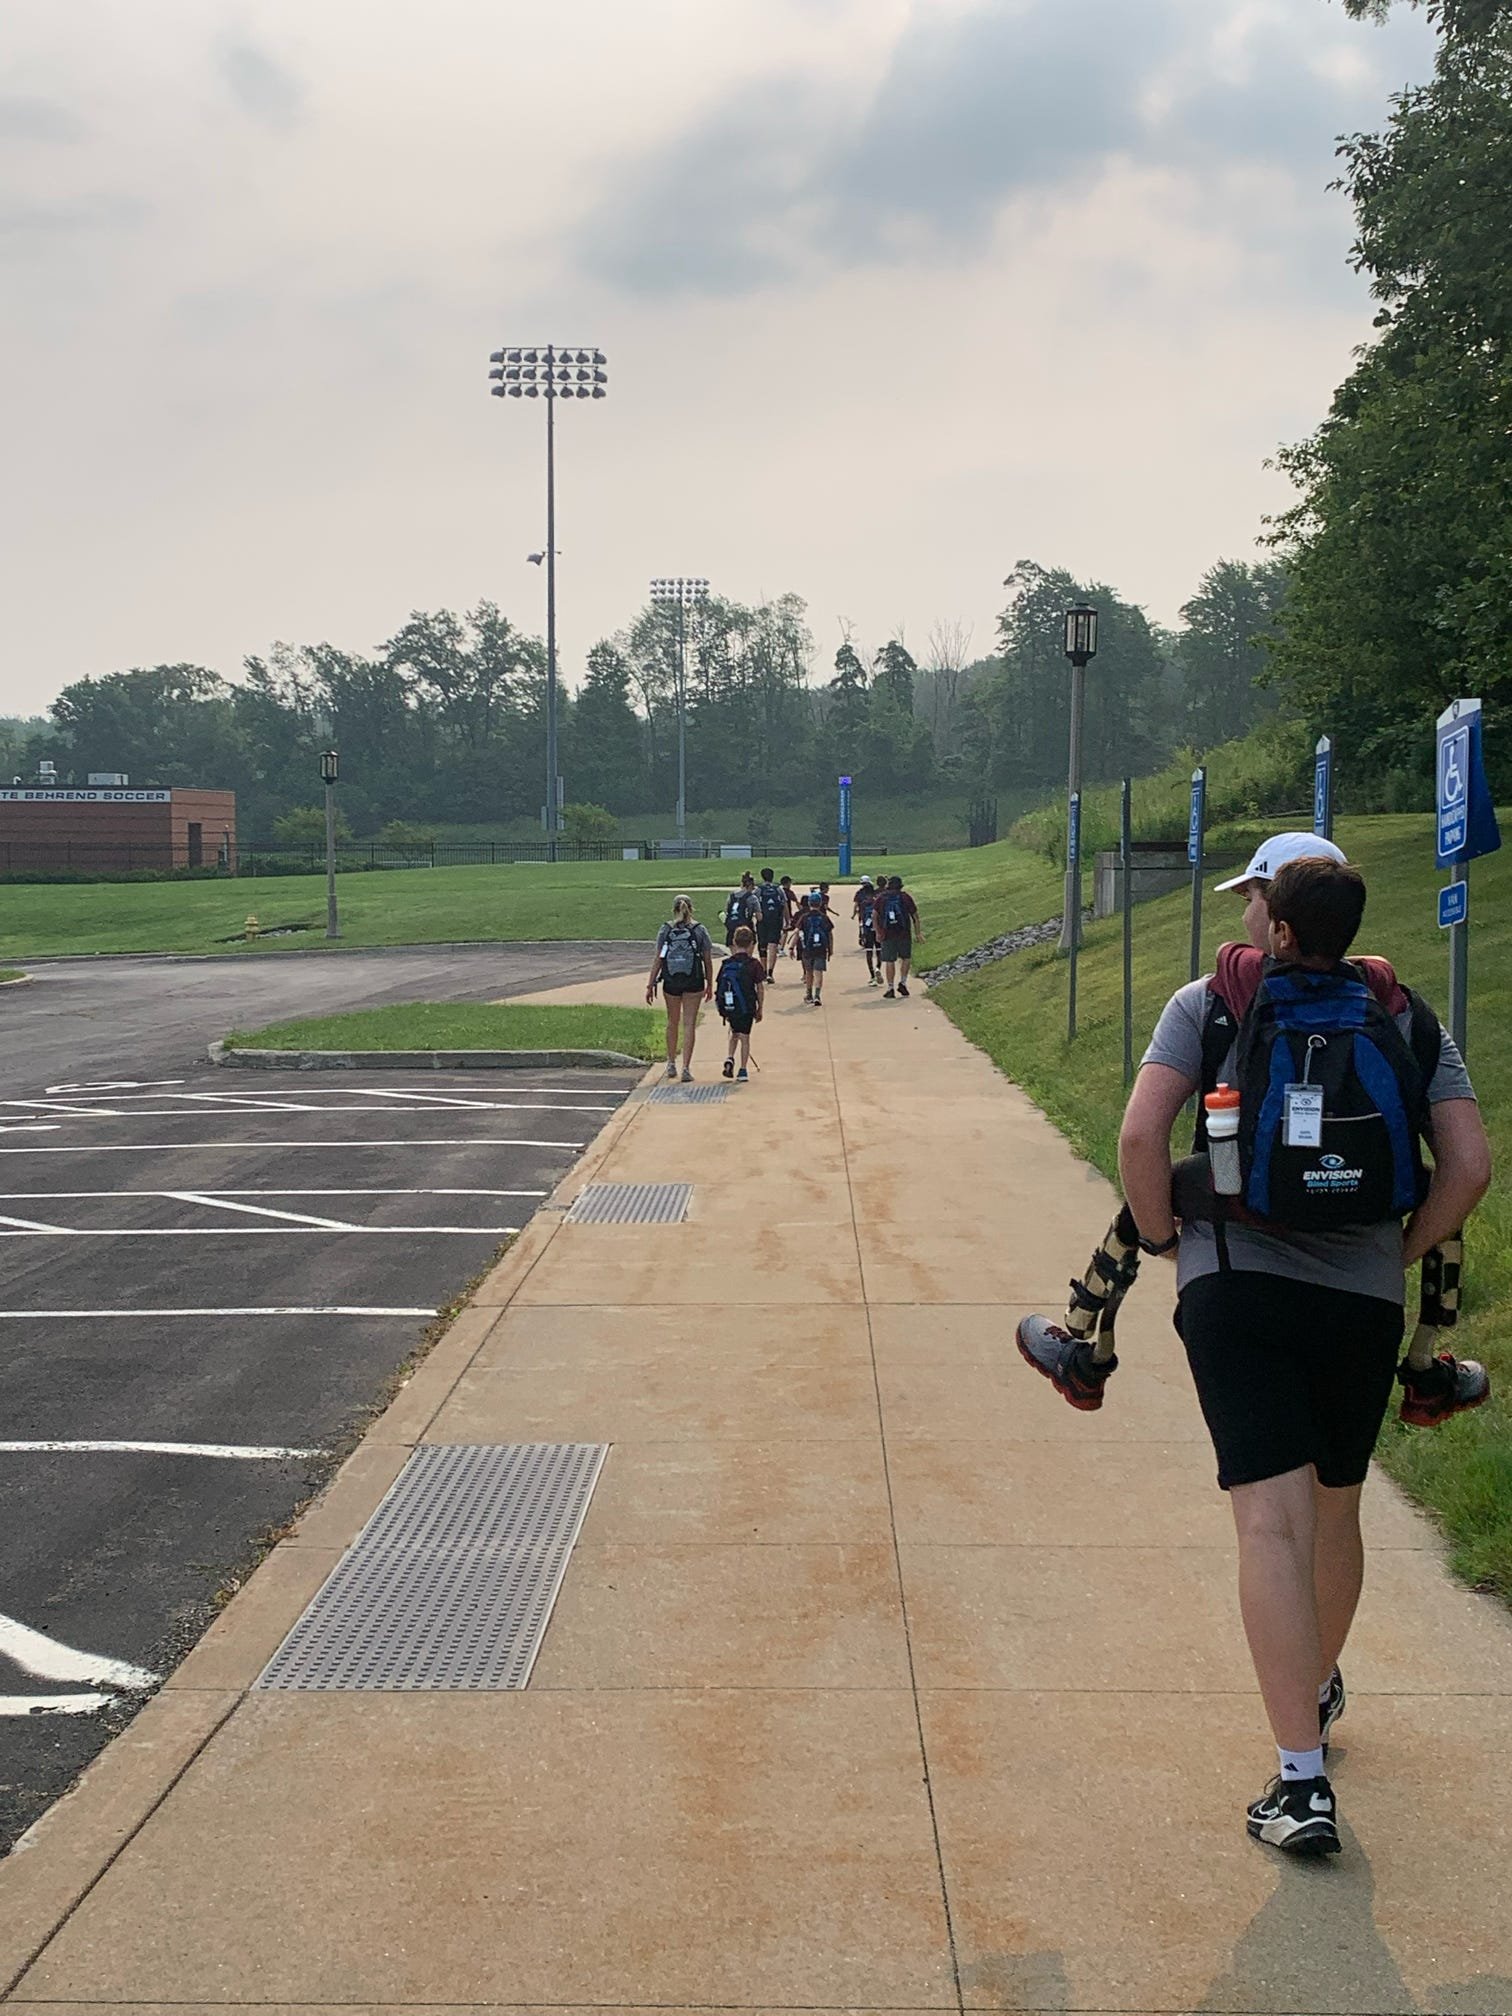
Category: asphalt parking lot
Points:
column 207, row 1278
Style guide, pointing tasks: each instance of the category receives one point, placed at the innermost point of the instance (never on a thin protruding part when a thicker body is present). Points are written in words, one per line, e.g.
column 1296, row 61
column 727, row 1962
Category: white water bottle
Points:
column 1222, row 1108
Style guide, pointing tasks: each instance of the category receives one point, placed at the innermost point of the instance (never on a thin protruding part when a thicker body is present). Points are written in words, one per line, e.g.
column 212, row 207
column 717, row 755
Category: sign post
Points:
column 1323, row 808
column 1073, row 889
column 845, row 826
column 1466, row 829
column 1196, row 850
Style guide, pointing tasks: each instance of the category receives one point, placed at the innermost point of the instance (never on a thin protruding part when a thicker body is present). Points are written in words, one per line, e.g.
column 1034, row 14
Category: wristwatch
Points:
column 1155, row 1252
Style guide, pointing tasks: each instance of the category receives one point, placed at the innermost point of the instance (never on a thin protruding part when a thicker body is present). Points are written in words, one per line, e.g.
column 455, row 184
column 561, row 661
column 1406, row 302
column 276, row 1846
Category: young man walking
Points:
column 864, row 909
column 1290, row 1293
column 771, row 922
column 740, row 908
column 816, row 940
column 897, row 926
column 739, row 993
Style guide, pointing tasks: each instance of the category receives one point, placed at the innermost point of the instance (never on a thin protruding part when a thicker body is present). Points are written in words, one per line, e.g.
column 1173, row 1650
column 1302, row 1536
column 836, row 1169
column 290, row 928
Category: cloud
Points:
column 263, row 88
column 1012, row 101
column 27, row 223
column 37, row 119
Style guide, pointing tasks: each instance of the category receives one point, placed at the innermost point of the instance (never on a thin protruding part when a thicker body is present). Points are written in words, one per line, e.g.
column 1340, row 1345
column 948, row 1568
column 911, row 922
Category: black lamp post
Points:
column 1081, row 649
column 682, row 593
column 550, row 372
column 330, row 764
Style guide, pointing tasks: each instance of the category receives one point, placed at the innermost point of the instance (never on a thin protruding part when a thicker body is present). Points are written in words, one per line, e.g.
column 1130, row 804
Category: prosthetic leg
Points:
column 1437, row 1384
column 1077, row 1356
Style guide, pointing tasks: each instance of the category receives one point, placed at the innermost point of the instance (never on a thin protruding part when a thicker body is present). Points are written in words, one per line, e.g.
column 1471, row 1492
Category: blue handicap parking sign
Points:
column 1467, row 825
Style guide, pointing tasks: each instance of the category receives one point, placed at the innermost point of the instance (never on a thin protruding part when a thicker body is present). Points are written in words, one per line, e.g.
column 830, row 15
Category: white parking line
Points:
column 262, row 1147
column 340, row 1090
column 117, row 1085
column 46, row 1659
column 229, row 1451
column 67, row 1315
column 39, row 1196
column 18, row 1228
column 243, row 1108
column 259, row 1211
column 54, row 1704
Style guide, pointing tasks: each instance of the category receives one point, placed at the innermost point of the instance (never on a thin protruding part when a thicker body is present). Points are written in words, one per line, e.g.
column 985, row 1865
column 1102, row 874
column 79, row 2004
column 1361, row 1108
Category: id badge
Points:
column 1303, row 1124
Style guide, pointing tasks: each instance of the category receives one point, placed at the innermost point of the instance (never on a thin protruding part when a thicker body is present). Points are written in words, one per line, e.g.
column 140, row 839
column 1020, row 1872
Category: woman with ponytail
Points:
column 683, row 967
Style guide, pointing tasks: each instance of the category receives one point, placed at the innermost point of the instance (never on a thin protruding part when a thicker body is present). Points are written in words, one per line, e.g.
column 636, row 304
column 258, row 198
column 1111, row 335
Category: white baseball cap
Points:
column 1274, row 854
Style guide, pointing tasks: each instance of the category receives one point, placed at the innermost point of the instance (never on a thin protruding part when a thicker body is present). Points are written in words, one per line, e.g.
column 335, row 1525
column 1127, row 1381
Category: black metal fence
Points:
column 982, row 822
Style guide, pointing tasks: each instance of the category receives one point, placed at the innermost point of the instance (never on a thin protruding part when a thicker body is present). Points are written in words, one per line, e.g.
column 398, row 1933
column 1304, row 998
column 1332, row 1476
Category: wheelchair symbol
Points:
column 1452, row 789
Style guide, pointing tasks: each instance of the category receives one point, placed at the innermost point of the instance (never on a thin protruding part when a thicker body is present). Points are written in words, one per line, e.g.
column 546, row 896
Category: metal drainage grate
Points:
column 668, row 1094
column 451, row 1583
column 632, row 1204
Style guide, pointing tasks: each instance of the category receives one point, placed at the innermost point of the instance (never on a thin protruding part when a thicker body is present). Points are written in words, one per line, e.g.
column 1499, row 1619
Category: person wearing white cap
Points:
column 1290, row 1285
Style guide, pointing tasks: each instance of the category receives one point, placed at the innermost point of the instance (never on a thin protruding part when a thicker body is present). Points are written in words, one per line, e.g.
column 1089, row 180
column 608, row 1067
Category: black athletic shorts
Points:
column 740, row 1025
column 1289, row 1374
column 768, row 935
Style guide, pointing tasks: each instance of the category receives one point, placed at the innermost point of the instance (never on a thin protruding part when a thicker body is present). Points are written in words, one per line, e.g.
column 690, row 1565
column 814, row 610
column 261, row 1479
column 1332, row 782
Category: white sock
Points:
column 1324, row 1691
column 1301, row 1763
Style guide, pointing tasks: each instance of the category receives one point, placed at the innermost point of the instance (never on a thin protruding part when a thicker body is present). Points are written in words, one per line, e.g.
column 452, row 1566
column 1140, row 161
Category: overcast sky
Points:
column 894, row 293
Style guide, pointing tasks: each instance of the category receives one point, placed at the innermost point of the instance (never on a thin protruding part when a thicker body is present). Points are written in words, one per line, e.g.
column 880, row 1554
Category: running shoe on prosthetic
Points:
column 1437, row 1385
column 1079, row 1355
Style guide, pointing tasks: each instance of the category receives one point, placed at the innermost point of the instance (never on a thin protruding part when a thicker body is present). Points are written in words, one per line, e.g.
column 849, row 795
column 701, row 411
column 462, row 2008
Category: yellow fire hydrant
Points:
column 252, row 927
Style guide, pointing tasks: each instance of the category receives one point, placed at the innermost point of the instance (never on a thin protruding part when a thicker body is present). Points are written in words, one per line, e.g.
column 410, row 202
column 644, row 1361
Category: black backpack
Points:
column 733, row 992
column 894, row 914
column 770, row 897
column 815, row 932
column 681, row 956
column 1330, row 1031
column 737, row 910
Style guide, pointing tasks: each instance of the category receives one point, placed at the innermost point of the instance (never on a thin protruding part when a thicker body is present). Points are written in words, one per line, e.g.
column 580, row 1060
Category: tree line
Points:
column 443, row 724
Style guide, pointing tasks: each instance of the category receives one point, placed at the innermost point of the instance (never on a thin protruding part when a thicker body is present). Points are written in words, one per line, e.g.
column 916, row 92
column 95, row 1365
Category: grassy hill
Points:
column 1016, row 1012
column 966, row 896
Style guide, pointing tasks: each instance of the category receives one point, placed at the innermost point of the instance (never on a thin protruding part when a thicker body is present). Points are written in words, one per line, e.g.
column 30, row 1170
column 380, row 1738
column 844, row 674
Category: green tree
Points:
column 607, row 741
column 1459, row 18
column 589, row 825
column 1220, row 652
column 1400, row 544
column 305, row 826
column 895, row 674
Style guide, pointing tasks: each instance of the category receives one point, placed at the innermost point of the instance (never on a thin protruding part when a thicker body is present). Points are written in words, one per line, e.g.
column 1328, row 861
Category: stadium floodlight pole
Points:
column 682, row 592
column 1081, row 649
column 549, row 371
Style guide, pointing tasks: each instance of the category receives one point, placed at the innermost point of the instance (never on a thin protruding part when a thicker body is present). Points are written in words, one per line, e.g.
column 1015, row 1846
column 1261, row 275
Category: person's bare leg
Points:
column 730, row 1046
column 745, row 1050
column 691, row 1006
column 890, row 972
column 674, row 1015
column 1276, row 1521
column 1338, row 1568
column 904, row 964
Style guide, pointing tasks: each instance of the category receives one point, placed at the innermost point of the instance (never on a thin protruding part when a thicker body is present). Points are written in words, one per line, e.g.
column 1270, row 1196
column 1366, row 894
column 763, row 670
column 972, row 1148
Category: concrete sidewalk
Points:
column 880, row 1680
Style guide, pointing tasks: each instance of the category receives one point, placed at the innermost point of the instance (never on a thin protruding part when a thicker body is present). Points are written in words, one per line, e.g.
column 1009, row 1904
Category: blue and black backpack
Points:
column 893, row 913
column 772, row 902
column 815, row 931
column 734, row 994
column 1330, row 1030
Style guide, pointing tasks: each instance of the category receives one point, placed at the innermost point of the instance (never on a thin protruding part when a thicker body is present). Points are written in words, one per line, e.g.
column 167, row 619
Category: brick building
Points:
column 116, row 827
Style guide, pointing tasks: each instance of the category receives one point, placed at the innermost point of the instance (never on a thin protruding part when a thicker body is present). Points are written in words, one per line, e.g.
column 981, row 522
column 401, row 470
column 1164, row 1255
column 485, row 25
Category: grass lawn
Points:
column 966, row 896
column 1016, row 1012
column 467, row 1025
column 10, row 973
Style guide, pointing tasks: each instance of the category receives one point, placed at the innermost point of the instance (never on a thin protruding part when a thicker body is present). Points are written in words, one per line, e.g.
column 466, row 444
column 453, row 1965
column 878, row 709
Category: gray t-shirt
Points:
column 1366, row 1260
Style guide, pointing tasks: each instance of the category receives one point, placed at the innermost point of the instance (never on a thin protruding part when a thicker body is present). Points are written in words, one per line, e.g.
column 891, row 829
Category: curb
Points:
column 423, row 1060
column 21, row 980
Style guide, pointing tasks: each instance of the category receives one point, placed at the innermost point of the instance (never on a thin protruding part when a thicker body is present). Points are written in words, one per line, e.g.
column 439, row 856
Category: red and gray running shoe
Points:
column 1066, row 1361
column 1446, row 1387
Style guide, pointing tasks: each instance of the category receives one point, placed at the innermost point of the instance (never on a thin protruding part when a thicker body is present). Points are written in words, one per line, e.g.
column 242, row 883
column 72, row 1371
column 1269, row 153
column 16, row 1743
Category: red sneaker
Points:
column 1066, row 1361
column 1448, row 1386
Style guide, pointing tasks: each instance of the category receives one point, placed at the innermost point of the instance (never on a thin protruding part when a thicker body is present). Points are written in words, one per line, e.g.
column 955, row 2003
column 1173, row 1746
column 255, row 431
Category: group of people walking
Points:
column 765, row 920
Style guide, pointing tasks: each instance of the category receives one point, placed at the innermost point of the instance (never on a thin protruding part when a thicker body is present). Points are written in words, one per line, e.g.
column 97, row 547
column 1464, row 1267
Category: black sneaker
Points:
column 1066, row 1361
column 1297, row 1815
column 1446, row 1387
column 902, row 989
column 1331, row 1707
column 889, row 993
column 729, row 1067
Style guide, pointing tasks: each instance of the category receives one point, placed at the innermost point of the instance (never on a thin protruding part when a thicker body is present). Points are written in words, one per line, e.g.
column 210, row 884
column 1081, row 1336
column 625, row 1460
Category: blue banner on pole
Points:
column 1323, row 788
column 1197, row 821
column 1467, row 825
column 1073, row 838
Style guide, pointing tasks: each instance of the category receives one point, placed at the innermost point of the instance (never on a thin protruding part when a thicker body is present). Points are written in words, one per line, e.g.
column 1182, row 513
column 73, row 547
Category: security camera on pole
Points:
column 550, row 372
column 1081, row 649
